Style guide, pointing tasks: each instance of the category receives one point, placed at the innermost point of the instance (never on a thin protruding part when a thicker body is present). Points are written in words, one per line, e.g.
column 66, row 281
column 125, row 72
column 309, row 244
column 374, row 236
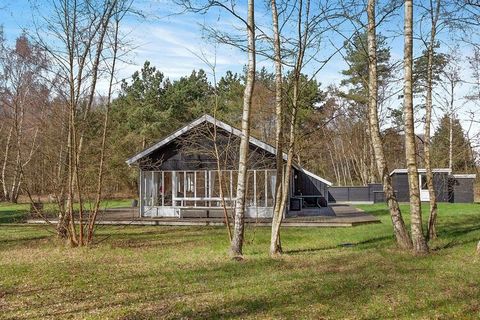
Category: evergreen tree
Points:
column 356, row 76
column 230, row 89
column 420, row 69
column 188, row 98
column 149, row 107
column 462, row 151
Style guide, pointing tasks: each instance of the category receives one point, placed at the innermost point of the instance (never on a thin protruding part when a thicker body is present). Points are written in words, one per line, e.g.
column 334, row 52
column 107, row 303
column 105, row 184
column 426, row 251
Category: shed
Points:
column 448, row 187
column 180, row 175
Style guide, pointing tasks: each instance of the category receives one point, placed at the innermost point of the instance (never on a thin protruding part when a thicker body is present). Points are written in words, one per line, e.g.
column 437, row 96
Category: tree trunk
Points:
column 399, row 228
column 275, row 242
column 275, row 248
column 6, row 194
column 450, row 137
column 238, row 227
column 431, row 232
column 372, row 173
column 92, row 218
column 419, row 243
column 478, row 248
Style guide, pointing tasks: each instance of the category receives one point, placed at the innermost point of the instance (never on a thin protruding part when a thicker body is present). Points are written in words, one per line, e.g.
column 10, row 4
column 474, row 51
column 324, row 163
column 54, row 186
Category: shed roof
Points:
column 464, row 176
column 208, row 118
column 436, row 170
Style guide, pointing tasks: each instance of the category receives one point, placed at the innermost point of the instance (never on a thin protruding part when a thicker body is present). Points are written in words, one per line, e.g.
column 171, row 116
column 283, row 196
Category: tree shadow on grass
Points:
column 378, row 212
column 25, row 239
column 336, row 289
column 364, row 244
column 260, row 287
column 13, row 217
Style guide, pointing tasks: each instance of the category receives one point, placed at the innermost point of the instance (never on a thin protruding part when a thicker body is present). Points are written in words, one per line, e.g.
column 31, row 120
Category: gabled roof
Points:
column 224, row 126
column 441, row 170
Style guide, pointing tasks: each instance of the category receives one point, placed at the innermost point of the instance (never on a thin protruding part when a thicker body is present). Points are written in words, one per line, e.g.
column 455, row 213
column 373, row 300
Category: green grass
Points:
column 183, row 272
column 18, row 213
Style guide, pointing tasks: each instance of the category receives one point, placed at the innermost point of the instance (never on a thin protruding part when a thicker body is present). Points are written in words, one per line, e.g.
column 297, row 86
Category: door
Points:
column 424, row 195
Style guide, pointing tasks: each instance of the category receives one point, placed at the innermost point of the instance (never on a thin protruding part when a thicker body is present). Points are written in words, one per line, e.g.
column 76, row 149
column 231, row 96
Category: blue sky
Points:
column 167, row 39
column 171, row 41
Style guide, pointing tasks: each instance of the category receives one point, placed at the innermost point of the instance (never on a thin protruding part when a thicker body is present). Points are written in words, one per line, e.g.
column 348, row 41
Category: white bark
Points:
column 419, row 243
column 238, row 227
column 275, row 247
column 434, row 14
column 399, row 229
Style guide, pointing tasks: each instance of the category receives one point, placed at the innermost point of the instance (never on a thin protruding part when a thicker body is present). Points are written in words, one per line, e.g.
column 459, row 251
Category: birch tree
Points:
column 275, row 246
column 305, row 49
column 81, row 37
column 399, row 228
column 418, row 239
column 236, row 248
column 433, row 14
column 303, row 34
column 23, row 97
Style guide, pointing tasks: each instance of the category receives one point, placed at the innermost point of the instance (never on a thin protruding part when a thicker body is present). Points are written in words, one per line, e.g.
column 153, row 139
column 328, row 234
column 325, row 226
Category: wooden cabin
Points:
column 193, row 173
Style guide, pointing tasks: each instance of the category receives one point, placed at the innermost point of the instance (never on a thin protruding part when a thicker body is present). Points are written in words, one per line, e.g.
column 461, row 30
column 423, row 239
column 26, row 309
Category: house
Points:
column 188, row 173
column 455, row 188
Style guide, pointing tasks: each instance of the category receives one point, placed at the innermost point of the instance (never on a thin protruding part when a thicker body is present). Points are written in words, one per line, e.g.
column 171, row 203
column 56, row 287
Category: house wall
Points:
column 440, row 182
column 194, row 151
column 306, row 185
column 401, row 188
column 463, row 190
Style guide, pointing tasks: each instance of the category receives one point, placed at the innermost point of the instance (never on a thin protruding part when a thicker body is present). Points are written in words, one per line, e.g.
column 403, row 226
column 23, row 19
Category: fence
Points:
column 369, row 193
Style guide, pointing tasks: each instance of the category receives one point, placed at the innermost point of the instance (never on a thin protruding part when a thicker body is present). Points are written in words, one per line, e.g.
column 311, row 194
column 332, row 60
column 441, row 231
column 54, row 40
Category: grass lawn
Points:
column 183, row 272
column 18, row 213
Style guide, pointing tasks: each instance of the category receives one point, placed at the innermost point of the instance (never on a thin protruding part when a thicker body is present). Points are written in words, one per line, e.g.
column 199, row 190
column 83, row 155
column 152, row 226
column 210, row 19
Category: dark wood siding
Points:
column 354, row 193
column 400, row 186
column 194, row 151
column 306, row 185
column 463, row 190
column 440, row 181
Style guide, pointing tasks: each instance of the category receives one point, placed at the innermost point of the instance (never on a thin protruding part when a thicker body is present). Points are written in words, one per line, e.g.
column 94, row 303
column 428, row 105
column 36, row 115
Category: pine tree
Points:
column 462, row 150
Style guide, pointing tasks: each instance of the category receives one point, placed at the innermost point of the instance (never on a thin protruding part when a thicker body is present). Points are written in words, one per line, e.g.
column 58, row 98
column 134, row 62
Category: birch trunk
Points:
column 372, row 176
column 431, row 232
column 275, row 244
column 238, row 227
column 399, row 229
column 279, row 190
column 450, row 137
column 418, row 239
column 92, row 218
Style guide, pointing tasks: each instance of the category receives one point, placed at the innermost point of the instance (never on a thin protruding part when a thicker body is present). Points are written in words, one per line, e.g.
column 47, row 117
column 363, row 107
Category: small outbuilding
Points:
column 193, row 173
column 455, row 188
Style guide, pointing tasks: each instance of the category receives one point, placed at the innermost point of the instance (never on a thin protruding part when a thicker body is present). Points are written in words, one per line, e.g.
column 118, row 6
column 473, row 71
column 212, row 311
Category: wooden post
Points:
column 266, row 188
column 195, row 187
column 254, row 187
column 163, row 188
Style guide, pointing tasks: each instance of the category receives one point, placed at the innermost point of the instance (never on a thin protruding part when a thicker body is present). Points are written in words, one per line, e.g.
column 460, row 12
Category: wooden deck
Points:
column 334, row 216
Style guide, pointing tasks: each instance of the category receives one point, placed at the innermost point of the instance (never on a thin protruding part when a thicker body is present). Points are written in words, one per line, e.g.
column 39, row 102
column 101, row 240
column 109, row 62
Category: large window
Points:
column 205, row 188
